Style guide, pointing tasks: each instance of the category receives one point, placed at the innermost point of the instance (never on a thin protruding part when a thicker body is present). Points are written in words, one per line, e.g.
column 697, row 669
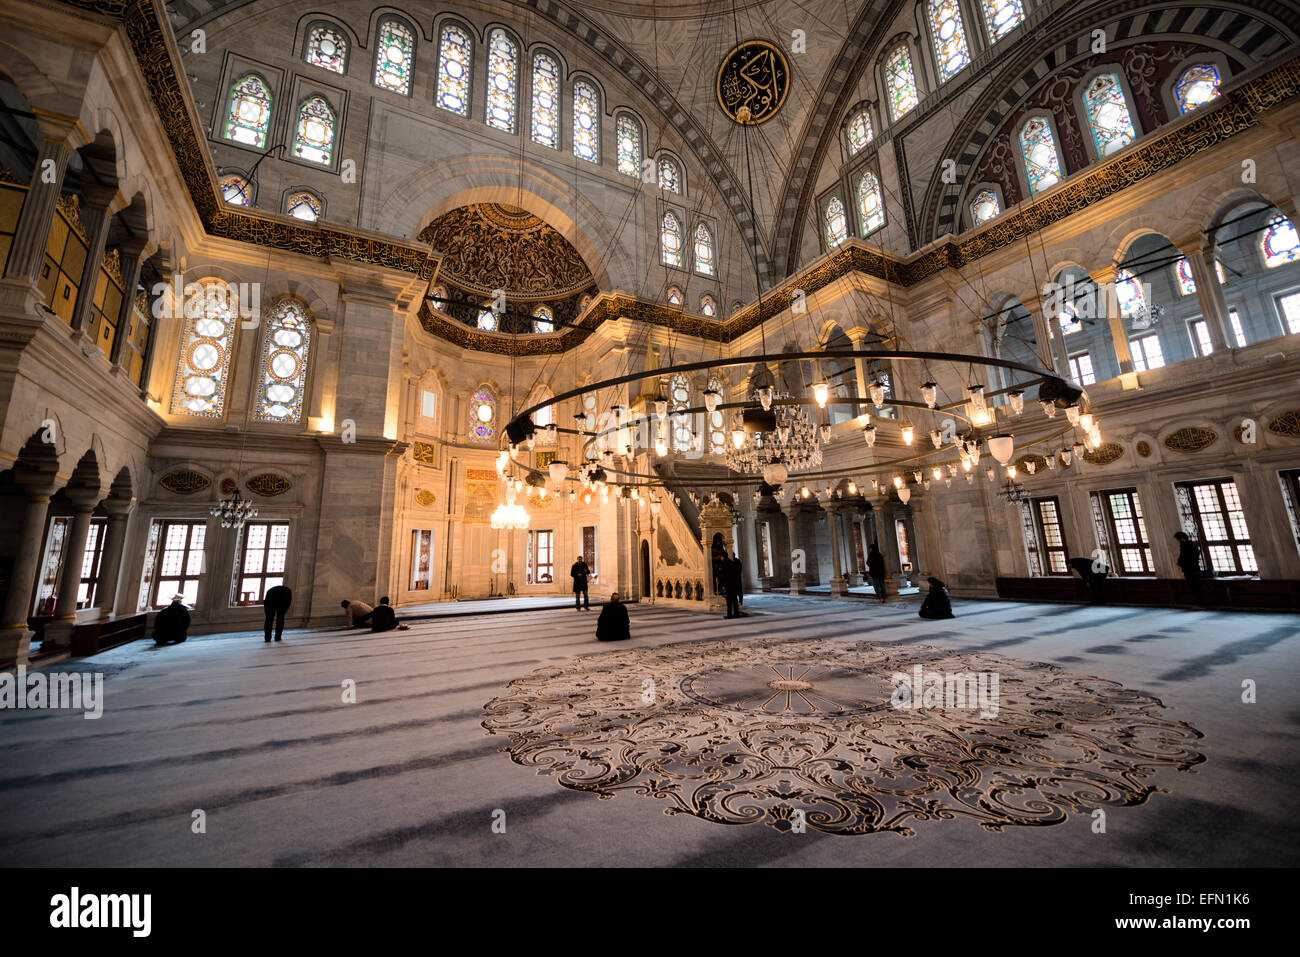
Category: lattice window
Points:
column 249, row 116
column 1146, row 353
column 708, row 306
column 859, row 132
column 203, row 366
column 679, row 395
column 394, row 57
column 1186, row 284
column 262, row 560
column 327, row 48
column 586, row 122
column 235, row 189
column 1041, row 157
column 1220, row 526
column 180, row 562
column 303, row 205
column 1288, row 308
column 1002, row 16
column 674, row 296
column 543, row 319
column 717, row 421
column 1108, row 116
column 1196, row 86
column 1200, row 332
column 837, row 229
column 487, row 319
column 1081, row 369
column 628, row 133
column 314, row 136
column 670, row 240
column 455, row 56
column 1128, row 530
column 871, row 204
column 670, row 177
column 705, row 256
column 282, row 368
column 950, row 49
column 900, row 83
column 984, row 207
column 502, row 81
column 482, row 415
column 546, row 101
column 1030, row 536
column 1047, row 514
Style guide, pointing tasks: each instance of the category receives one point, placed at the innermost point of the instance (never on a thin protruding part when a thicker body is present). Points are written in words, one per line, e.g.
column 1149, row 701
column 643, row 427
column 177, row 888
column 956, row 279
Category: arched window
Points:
column 282, row 369
column 1003, row 16
column 670, row 240
column 705, row 259
column 327, row 48
column 502, row 81
column 1108, row 116
column 1186, row 284
column 1280, row 243
column 482, row 415
column 303, row 205
column 679, row 394
column 670, row 177
column 583, row 303
column 1038, row 149
column 674, row 296
column 394, row 57
column 900, row 83
column 717, row 422
column 708, row 306
column 543, row 319
column 984, row 207
column 249, row 116
column 1128, row 292
column 586, row 122
column 836, row 224
column 455, row 55
column 950, row 49
column 546, row 101
column 1196, row 86
column 871, row 205
column 204, row 363
column 859, row 132
column 487, row 319
column 314, row 137
column 235, row 189
column 439, row 294
column 629, row 145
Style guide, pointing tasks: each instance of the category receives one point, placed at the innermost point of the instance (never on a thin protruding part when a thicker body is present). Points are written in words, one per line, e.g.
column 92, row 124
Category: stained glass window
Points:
column 543, row 320
column 482, row 412
column 1280, row 243
column 1186, row 284
column 502, row 81
column 950, row 49
column 900, row 83
column 1108, row 116
column 282, row 370
column 674, row 296
column 708, row 307
column 487, row 319
column 1003, row 16
column 1070, row 319
column 546, row 101
column 586, row 122
column 249, row 117
column 984, row 207
column 705, row 262
column 455, row 52
column 235, row 190
column 1038, row 149
column 871, row 206
column 204, row 363
column 327, row 48
column 1196, row 86
column 717, row 421
column 1128, row 290
column 670, row 177
column 679, row 394
column 394, row 57
column 836, row 225
column 439, row 294
column 584, row 303
column 303, row 205
column 629, row 146
column 670, row 241
column 314, row 139
column 859, row 132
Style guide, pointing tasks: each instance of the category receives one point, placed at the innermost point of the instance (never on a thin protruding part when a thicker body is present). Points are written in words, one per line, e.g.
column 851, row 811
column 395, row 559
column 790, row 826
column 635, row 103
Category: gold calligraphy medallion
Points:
column 755, row 76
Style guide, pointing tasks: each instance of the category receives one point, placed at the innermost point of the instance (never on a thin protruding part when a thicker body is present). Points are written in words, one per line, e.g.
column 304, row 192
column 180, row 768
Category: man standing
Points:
column 731, row 585
column 876, row 572
column 579, row 573
column 276, row 601
column 1189, row 560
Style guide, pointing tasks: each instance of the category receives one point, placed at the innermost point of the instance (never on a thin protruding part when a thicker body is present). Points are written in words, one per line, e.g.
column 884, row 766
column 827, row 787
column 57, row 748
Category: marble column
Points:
column 1051, row 341
column 1105, row 280
column 131, row 249
column 32, row 233
column 110, row 562
column 852, row 575
column 97, row 217
column 838, row 589
column 797, row 579
column 15, row 639
column 858, row 336
column 58, row 633
column 1209, row 292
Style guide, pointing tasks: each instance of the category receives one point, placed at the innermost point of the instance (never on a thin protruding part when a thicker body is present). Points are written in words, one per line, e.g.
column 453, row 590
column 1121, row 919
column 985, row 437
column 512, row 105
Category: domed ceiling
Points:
column 489, row 246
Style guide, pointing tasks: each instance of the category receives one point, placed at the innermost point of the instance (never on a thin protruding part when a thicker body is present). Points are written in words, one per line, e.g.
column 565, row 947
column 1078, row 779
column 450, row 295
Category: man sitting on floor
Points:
column 172, row 623
column 384, row 618
column 612, row 625
column 358, row 613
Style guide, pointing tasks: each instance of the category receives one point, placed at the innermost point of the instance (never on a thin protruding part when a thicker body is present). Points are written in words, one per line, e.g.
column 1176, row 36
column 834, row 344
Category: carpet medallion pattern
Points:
column 807, row 733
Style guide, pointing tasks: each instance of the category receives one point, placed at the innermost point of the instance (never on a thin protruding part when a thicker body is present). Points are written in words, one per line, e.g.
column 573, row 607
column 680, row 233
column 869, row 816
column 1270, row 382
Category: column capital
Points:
column 61, row 129
column 1105, row 276
column 118, row 508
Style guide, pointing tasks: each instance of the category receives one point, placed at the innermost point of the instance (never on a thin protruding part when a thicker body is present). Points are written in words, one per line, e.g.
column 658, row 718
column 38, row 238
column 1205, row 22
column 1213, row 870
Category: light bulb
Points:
column 853, row 488
column 737, row 437
column 898, row 481
column 821, row 392
column 1085, row 421
column 804, row 491
column 1017, row 402
column 937, row 472
column 661, row 447
column 909, row 433
column 929, row 392
column 1011, row 472
column 967, row 464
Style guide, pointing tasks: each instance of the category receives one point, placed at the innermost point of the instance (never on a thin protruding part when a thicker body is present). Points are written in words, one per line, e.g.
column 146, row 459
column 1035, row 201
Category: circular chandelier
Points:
column 510, row 515
column 774, row 441
column 233, row 511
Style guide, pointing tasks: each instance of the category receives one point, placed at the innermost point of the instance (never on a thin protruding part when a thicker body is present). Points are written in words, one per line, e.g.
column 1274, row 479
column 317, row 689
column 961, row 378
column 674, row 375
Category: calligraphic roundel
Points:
column 756, row 75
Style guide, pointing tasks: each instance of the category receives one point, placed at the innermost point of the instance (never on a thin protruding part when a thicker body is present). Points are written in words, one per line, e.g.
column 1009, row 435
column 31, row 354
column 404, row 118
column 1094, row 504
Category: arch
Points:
column 859, row 130
column 303, row 204
column 985, row 204
column 208, row 338
column 704, row 253
column 949, row 39
column 671, row 240
column 835, row 228
column 1001, row 17
column 1041, row 165
column 247, row 118
column 870, row 203
column 1195, row 82
column 898, row 77
column 670, row 172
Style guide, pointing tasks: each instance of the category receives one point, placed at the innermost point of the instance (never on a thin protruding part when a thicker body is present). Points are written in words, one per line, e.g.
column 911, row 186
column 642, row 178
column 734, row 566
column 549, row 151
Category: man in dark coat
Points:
column 1189, row 560
column 1096, row 579
column 276, row 602
column 876, row 571
column 579, row 573
column 383, row 618
column 936, row 604
column 612, row 625
column 731, row 569
column 171, row 624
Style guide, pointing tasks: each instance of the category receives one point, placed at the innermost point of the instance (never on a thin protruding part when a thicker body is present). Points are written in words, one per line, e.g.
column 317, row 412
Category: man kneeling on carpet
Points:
column 358, row 613
column 612, row 625
column 937, row 603
column 172, row 623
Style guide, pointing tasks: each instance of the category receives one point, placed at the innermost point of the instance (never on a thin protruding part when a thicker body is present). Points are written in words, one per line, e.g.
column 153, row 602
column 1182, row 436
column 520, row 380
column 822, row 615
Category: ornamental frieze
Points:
column 268, row 484
column 1104, row 454
column 1288, row 424
column 184, row 481
column 1190, row 438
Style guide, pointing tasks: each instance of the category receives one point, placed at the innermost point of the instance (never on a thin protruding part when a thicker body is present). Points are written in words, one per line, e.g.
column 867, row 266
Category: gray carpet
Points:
column 285, row 773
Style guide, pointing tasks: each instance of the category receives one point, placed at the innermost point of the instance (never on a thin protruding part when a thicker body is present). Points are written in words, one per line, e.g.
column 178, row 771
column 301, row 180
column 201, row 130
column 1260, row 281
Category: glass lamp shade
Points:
column 989, row 473
column 826, row 434
column 1049, row 408
column 1072, row 414
column 977, row 396
column 877, row 390
column 655, row 505
column 937, row 472
column 661, row 408
column 661, row 446
column 909, row 433
column 821, row 392
column 1002, row 447
column 904, row 494
column 804, row 491
column 918, row 476
column 1017, row 402
column 712, row 399
column 775, row 473
column 765, row 395
column 737, row 437
column 869, row 433
column 558, row 471
column 1085, row 421
column 853, row 488
column 936, row 438
column 1011, row 472
column 929, row 392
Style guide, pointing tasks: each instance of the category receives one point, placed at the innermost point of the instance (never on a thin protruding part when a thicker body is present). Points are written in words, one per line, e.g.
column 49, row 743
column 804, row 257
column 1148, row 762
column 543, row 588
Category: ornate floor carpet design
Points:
column 778, row 732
